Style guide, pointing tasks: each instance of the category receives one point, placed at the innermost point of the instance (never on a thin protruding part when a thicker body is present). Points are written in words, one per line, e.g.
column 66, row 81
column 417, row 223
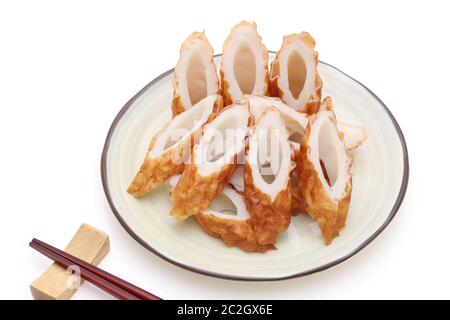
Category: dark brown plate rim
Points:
column 116, row 212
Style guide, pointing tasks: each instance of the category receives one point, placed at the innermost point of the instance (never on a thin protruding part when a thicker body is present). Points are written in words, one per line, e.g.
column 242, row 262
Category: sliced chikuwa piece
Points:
column 195, row 75
column 170, row 148
column 293, row 75
column 244, row 68
column 267, row 177
column 295, row 121
column 213, row 161
column 325, row 180
column 228, row 219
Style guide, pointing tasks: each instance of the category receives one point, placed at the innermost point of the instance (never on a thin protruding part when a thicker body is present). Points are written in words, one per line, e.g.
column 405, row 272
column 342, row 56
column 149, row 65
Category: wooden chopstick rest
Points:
column 89, row 244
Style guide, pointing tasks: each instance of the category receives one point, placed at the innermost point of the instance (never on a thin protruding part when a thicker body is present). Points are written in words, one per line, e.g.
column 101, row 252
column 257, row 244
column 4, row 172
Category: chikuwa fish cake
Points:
column 267, row 177
column 170, row 147
column 324, row 172
column 244, row 68
column 195, row 76
column 213, row 161
column 293, row 75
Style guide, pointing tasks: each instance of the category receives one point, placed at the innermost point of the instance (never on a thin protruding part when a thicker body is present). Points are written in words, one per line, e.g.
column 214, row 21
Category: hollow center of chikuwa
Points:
column 328, row 154
column 296, row 74
column 223, row 204
column 196, row 78
column 269, row 157
column 245, row 69
column 184, row 126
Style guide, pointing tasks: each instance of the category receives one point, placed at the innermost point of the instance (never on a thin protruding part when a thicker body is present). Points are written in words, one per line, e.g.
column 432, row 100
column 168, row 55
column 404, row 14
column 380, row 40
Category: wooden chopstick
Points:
column 102, row 279
column 86, row 274
column 135, row 290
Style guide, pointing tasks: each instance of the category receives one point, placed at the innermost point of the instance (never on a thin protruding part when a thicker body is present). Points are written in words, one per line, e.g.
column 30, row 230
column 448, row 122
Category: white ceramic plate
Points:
column 380, row 177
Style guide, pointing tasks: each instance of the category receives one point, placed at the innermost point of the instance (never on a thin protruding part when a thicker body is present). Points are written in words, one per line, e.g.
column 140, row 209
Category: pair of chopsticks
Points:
column 119, row 288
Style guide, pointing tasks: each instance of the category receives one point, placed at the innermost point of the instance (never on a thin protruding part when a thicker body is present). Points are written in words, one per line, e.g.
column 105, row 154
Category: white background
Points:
column 66, row 69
